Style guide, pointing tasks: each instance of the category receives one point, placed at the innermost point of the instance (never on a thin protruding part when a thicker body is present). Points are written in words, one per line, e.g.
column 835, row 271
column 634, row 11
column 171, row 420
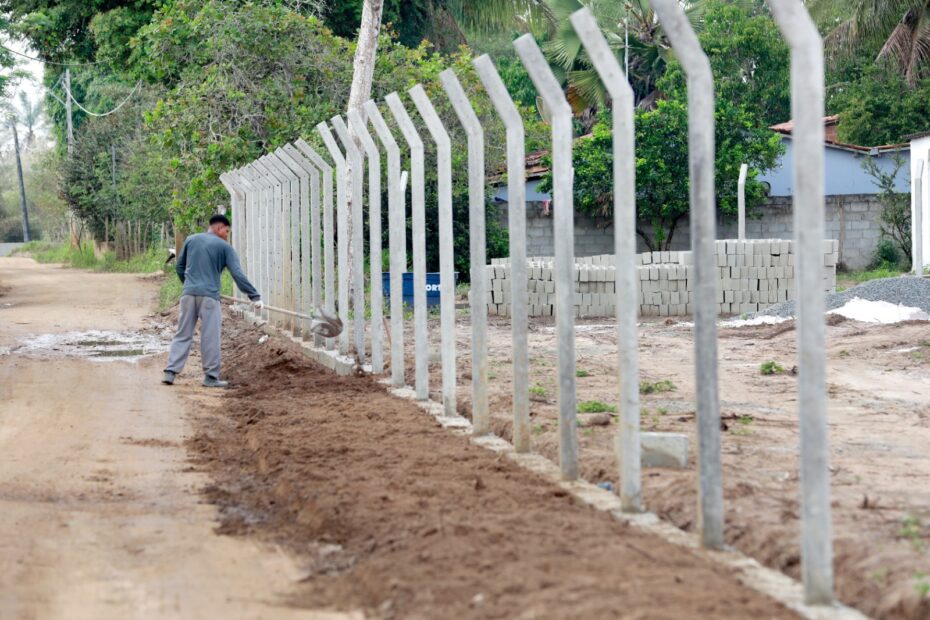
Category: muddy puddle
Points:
column 100, row 346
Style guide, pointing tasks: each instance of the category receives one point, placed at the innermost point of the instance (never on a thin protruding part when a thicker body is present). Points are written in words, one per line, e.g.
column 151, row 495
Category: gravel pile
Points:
column 908, row 291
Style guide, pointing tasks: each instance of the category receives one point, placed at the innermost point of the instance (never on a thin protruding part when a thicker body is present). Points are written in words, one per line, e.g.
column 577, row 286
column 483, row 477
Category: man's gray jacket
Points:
column 201, row 262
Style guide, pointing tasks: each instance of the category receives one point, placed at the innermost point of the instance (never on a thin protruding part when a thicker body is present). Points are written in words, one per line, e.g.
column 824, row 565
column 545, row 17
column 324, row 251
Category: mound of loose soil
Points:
column 400, row 518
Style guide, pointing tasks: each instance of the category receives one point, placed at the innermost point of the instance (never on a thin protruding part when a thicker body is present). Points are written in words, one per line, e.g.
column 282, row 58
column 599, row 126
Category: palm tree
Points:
column 30, row 115
column 902, row 27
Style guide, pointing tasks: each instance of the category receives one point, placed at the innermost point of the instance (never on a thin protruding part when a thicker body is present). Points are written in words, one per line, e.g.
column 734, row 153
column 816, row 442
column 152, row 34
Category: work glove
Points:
column 258, row 304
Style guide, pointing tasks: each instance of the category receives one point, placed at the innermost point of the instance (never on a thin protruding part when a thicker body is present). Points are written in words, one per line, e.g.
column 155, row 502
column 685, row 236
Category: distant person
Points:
column 199, row 265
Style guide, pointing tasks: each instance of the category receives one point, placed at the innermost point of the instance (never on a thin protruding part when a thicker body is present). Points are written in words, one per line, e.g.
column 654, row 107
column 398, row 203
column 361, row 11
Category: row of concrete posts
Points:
column 299, row 262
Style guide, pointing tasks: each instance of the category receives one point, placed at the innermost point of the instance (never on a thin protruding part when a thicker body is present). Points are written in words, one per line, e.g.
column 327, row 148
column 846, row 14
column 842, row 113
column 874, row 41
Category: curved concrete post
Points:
column 279, row 263
column 481, row 423
column 807, row 107
column 624, row 170
column 918, row 219
column 329, row 262
column 302, row 222
column 446, row 264
column 256, row 229
column 228, row 182
column 342, row 224
column 358, row 235
column 516, row 226
column 564, row 223
column 269, row 220
column 310, row 227
column 397, row 240
column 703, row 239
column 360, row 128
column 741, row 201
column 418, row 209
column 288, row 235
column 251, row 233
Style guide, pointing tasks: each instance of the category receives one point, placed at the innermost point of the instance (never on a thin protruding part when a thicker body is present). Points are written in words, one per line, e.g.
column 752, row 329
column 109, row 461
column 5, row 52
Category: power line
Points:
column 52, row 62
column 85, row 110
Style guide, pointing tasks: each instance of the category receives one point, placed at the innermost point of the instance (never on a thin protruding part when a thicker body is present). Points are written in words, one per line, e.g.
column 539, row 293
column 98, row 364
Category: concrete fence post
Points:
column 418, row 209
column 311, row 245
column 564, row 223
column 807, row 108
column 305, row 275
column 624, row 171
column 917, row 227
column 741, row 201
column 228, row 182
column 289, row 195
column 481, row 422
column 446, row 250
column 397, row 240
column 342, row 223
column 329, row 266
column 254, row 204
column 272, row 193
column 360, row 128
column 358, row 235
column 703, row 237
column 516, row 225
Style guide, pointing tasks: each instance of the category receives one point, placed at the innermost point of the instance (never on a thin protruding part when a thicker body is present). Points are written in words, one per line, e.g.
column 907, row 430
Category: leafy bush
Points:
column 886, row 255
column 596, row 406
column 771, row 367
column 656, row 387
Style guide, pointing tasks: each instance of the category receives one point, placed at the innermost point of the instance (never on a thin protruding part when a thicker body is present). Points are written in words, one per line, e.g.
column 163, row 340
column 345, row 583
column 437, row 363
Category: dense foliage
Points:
column 213, row 84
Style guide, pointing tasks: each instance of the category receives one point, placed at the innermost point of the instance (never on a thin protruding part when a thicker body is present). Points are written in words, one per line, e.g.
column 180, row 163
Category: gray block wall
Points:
column 854, row 221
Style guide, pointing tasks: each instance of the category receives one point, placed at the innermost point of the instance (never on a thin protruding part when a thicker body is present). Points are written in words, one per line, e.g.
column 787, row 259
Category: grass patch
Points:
column 595, row 406
column 538, row 391
column 171, row 289
column 84, row 258
column 582, row 373
column 656, row 387
column 771, row 367
column 848, row 279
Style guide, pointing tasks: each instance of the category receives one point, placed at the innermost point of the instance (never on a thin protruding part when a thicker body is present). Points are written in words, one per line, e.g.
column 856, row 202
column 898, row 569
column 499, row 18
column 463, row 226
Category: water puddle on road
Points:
column 100, row 346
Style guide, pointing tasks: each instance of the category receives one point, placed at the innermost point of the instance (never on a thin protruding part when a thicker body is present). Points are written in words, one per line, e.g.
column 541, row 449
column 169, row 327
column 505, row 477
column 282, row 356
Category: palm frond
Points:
column 491, row 15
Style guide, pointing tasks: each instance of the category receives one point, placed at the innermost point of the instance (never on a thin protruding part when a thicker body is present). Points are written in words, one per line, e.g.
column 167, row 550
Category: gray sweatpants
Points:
column 206, row 309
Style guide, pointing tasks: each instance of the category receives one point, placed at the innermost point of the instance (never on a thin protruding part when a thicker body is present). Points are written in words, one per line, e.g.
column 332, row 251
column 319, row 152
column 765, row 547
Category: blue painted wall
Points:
column 843, row 169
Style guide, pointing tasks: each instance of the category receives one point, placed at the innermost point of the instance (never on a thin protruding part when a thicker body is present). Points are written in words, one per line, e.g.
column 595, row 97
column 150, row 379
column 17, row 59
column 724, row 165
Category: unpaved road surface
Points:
column 100, row 515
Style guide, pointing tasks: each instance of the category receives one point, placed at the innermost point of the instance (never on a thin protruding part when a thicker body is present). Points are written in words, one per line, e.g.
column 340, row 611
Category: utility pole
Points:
column 75, row 237
column 22, row 184
column 68, row 110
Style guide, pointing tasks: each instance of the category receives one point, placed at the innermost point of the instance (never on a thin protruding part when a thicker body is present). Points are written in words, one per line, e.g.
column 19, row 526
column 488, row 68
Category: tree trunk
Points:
column 22, row 184
column 363, row 70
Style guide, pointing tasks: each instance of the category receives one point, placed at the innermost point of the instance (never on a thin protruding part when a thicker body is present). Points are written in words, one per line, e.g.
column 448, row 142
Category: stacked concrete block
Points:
column 752, row 275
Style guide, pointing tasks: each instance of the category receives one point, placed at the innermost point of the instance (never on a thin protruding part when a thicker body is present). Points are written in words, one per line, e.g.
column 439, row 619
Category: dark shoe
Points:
column 214, row 383
column 168, row 379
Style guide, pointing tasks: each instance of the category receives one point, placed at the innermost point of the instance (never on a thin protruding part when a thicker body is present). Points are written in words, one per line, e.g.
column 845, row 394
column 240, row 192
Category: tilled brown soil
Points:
column 399, row 518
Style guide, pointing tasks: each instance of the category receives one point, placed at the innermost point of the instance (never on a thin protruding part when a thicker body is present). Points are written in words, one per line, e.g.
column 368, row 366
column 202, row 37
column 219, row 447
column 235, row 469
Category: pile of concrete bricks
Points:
column 752, row 275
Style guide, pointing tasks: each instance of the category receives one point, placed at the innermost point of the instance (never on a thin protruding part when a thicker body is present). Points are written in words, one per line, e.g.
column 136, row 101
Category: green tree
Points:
column 880, row 107
column 748, row 57
column 662, row 167
column 899, row 28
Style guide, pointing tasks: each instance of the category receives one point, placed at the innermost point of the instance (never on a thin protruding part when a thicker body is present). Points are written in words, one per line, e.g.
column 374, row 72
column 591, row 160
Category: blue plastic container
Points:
column 432, row 287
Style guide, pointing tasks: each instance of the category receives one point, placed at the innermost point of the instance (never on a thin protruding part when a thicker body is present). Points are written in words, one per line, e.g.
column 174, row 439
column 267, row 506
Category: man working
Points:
column 200, row 264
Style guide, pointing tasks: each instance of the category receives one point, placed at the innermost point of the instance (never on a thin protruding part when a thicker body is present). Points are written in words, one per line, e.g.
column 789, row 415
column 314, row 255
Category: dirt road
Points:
column 100, row 513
